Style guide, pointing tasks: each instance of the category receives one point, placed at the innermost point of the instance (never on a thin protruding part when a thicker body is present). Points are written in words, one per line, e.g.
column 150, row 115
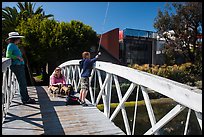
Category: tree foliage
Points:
column 11, row 17
column 46, row 40
column 186, row 22
column 56, row 42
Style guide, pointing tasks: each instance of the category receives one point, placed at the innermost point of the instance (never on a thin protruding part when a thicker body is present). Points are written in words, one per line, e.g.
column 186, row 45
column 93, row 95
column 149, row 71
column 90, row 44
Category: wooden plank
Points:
column 73, row 119
column 50, row 116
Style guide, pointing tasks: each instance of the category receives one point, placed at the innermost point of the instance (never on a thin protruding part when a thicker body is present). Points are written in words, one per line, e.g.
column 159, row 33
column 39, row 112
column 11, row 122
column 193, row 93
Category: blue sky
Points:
column 135, row 15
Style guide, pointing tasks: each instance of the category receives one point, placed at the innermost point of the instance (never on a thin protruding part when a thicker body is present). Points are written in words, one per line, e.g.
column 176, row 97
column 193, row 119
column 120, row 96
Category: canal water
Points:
column 174, row 127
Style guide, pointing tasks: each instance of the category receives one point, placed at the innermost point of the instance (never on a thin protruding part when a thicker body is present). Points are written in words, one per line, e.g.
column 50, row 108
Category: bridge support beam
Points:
column 107, row 96
column 126, row 96
column 124, row 114
column 199, row 118
column 102, row 89
column 149, row 107
column 168, row 117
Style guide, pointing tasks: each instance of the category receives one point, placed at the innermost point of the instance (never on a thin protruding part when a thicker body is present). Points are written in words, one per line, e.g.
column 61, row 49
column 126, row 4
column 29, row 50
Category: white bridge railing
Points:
column 185, row 96
column 9, row 86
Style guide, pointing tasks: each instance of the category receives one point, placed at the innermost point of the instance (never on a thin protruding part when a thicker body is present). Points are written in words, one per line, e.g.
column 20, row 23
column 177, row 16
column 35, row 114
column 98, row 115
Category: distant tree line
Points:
column 184, row 19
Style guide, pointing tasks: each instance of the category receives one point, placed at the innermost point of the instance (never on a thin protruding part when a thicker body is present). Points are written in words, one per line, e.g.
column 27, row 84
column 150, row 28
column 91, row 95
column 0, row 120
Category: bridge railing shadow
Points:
column 26, row 119
column 10, row 91
column 51, row 122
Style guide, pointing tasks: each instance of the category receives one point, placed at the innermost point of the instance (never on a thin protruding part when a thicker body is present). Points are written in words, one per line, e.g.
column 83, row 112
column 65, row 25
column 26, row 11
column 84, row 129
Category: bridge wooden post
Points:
column 102, row 90
column 79, row 78
column 124, row 114
column 105, row 95
column 90, row 87
column 149, row 107
column 68, row 75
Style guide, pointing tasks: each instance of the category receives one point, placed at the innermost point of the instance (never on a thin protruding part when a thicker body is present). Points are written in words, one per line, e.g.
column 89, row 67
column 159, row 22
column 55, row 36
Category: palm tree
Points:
column 10, row 19
column 27, row 10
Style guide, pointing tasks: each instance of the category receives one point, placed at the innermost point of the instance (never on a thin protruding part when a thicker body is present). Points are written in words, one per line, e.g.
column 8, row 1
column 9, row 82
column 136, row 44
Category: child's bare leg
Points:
column 84, row 95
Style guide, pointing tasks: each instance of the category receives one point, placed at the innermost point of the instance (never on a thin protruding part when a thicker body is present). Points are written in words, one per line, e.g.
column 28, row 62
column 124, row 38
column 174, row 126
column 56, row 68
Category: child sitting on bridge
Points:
column 72, row 99
column 58, row 83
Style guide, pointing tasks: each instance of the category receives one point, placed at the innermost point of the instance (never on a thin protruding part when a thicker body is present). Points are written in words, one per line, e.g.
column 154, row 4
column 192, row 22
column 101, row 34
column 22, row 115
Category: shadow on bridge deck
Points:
column 50, row 116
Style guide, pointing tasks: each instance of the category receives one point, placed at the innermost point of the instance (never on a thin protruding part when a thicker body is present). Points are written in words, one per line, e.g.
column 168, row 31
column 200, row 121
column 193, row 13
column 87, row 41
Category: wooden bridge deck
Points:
column 50, row 116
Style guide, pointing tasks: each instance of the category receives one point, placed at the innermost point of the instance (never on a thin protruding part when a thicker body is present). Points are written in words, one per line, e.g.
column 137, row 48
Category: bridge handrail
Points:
column 185, row 96
column 9, row 86
column 179, row 92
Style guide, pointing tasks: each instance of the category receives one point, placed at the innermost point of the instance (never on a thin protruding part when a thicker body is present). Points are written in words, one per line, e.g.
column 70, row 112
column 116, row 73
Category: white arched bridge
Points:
column 50, row 115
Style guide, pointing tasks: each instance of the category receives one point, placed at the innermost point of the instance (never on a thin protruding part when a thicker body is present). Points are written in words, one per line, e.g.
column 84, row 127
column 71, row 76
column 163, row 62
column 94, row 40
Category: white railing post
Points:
column 135, row 111
column 187, row 121
column 148, row 106
column 107, row 96
column 124, row 114
column 102, row 90
column 90, row 86
column 79, row 76
column 68, row 75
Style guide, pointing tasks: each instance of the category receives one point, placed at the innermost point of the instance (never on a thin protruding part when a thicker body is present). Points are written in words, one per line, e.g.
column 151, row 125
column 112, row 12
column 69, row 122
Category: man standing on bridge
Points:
column 86, row 64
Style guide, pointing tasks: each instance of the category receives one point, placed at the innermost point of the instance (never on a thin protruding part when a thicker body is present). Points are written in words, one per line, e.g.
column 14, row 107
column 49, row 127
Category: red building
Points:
column 129, row 46
column 109, row 42
column 109, row 46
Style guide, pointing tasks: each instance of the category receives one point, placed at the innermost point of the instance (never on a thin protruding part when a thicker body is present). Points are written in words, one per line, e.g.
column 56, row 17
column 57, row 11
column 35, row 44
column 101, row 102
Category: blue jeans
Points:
column 19, row 71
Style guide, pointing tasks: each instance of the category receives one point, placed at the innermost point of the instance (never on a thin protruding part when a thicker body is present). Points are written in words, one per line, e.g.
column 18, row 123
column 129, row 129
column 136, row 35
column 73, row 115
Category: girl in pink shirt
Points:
column 58, row 83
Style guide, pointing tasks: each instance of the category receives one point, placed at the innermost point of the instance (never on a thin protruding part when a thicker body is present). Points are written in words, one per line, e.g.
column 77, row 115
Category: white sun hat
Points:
column 14, row 35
